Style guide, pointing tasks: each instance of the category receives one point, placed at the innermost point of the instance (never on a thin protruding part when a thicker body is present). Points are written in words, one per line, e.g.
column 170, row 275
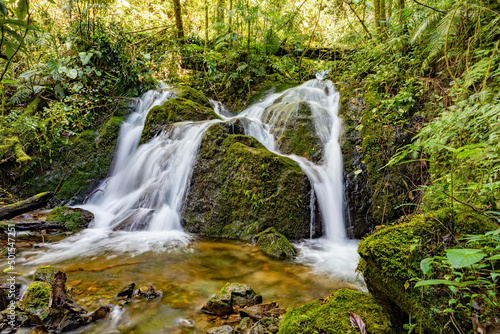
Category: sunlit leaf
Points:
column 357, row 322
column 3, row 9
column 426, row 266
column 85, row 57
column 435, row 282
column 460, row 258
column 22, row 9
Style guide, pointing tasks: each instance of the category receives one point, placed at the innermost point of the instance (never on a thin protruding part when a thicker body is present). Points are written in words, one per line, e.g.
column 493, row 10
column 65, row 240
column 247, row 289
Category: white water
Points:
column 147, row 185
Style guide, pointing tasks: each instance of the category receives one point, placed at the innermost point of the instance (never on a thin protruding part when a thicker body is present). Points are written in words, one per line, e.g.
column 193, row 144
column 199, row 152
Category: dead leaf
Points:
column 358, row 323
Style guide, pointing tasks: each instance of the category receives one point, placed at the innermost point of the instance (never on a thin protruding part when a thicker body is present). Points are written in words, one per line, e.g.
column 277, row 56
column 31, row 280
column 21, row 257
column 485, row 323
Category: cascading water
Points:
column 147, row 185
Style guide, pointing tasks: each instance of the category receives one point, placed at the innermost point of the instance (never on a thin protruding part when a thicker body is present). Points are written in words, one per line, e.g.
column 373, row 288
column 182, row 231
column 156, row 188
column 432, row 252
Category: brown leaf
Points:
column 358, row 323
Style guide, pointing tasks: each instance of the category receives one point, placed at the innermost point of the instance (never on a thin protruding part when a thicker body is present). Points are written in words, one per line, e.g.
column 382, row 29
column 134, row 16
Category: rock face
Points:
column 391, row 258
column 331, row 315
column 275, row 245
column 174, row 110
column 293, row 127
column 230, row 296
column 239, row 188
column 47, row 305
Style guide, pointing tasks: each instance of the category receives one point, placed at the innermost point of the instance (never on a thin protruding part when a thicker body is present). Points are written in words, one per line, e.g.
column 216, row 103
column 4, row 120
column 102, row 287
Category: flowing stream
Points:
column 147, row 185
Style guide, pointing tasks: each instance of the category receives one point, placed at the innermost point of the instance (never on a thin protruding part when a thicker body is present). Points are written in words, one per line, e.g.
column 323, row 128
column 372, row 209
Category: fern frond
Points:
column 446, row 28
column 426, row 24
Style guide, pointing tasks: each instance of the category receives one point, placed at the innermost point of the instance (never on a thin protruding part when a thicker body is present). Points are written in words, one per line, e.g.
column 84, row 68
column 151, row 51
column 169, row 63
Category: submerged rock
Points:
column 331, row 315
column 174, row 110
column 74, row 218
column 127, row 291
column 230, row 296
column 275, row 245
column 226, row 329
column 239, row 188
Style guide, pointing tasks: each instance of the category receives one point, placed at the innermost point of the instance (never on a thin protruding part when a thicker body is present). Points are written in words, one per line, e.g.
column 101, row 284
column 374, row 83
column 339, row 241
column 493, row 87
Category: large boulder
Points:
column 74, row 218
column 390, row 262
column 174, row 110
column 231, row 296
column 331, row 315
column 275, row 245
column 239, row 188
column 192, row 94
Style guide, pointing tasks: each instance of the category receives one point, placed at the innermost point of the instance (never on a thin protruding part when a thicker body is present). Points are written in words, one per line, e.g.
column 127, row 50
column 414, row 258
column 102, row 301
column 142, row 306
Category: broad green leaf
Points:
column 494, row 257
column 72, row 73
column 9, row 49
column 435, row 282
column 54, row 66
column 426, row 266
column 8, row 81
column 22, row 9
column 27, row 74
column 14, row 34
column 85, row 57
column 359, row 171
column 494, row 275
column 19, row 23
column 3, row 9
column 59, row 91
column 460, row 258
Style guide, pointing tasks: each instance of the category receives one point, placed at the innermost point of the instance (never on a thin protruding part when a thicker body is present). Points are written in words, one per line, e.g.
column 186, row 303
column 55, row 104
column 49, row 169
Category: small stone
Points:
column 226, row 329
column 253, row 312
column 232, row 295
column 127, row 291
column 44, row 274
column 244, row 326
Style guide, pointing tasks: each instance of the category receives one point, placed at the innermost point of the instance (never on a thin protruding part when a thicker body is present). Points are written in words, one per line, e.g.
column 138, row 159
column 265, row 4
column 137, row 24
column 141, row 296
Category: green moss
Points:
column 174, row 110
column 36, row 299
column 275, row 245
column 267, row 88
column 35, row 105
column 331, row 315
column 71, row 217
column 239, row 188
column 391, row 257
column 44, row 274
column 192, row 94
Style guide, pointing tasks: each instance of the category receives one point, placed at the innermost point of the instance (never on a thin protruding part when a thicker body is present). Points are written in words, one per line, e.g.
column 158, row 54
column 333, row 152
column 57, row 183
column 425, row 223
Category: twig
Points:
column 434, row 9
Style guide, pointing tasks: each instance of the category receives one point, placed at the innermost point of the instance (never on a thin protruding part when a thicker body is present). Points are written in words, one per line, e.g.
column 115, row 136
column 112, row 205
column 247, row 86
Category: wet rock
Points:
column 137, row 220
column 149, row 292
column 74, row 218
column 239, row 188
column 232, row 295
column 192, row 94
column 174, row 110
column 127, row 291
column 253, row 312
column 275, row 245
column 271, row 324
column 44, row 274
column 244, row 326
column 226, row 329
column 100, row 313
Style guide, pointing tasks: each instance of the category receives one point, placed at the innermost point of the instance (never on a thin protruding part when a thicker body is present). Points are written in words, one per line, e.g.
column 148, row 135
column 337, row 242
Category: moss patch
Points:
column 239, row 188
column 391, row 257
column 74, row 218
column 275, row 245
column 331, row 315
column 192, row 94
column 174, row 110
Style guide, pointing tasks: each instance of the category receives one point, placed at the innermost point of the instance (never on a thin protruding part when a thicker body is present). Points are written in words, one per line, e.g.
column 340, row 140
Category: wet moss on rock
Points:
column 331, row 315
column 391, row 257
column 188, row 93
column 174, row 110
column 74, row 218
column 239, row 188
column 275, row 245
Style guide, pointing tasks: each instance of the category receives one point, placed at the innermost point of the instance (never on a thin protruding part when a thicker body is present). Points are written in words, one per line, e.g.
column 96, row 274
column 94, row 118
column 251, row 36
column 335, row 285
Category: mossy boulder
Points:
column 74, row 218
column 44, row 274
column 188, row 93
column 292, row 125
column 239, row 188
column 230, row 296
column 331, row 315
column 391, row 258
column 174, row 110
column 275, row 245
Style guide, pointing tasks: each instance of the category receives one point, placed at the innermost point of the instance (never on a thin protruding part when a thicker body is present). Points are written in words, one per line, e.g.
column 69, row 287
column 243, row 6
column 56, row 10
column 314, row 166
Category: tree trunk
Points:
column 178, row 21
column 401, row 6
column 220, row 10
column 30, row 204
column 382, row 13
column 206, row 25
column 376, row 14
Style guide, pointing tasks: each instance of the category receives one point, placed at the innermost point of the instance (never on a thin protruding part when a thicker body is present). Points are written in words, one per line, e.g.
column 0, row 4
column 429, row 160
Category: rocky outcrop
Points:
column 174, row 110
column 390, row 261
column 74, row 218
column 331, row 315
column 231, row 297
column 239, row 188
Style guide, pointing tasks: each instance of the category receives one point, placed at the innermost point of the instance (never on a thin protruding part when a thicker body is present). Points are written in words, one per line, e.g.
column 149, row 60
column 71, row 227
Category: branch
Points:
column 360, row 20
column 434, row 9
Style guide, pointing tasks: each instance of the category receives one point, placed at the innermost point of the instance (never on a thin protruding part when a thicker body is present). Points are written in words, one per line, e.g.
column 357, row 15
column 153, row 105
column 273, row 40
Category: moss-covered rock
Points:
column 174, row 110
column 293, row 127
column 331, row 315
column 74, row 218
column 232, row 295
column 188, row 93
column 391, row 257
column 44, row 274
column 275, row 245
column 239, row 188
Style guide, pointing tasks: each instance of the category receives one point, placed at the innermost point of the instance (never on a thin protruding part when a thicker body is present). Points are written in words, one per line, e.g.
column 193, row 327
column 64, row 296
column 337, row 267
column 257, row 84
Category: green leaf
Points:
column 85, row 57
column 59, row 91
column 460, row 258
column 73, row 73
column 494, row 275
column 22, row 9
column 435, row 282
column 359, row 171
column 3, row 9
column 426, row 265
column 8, row 81
column 494, row 257
column 9, row 49
column 14, row 34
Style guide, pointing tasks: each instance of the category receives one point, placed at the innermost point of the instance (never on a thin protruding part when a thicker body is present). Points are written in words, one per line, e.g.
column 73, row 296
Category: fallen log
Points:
column 34, row 225
column 30, row 204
